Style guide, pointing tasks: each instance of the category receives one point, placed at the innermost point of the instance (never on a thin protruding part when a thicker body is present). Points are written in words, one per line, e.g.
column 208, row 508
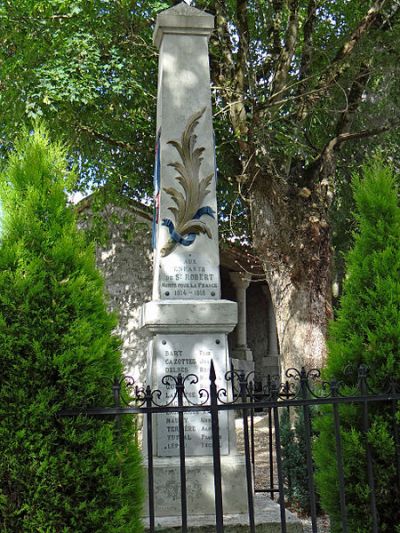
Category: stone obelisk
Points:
column 187, row 320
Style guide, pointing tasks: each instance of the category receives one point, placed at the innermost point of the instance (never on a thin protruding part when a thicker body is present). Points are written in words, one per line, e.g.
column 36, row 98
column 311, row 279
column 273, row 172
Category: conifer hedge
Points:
column 57, row 350
column 366, row 331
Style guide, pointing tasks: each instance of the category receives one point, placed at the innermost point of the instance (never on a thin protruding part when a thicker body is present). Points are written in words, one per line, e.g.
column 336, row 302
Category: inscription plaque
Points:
column 189, row 354
column 188, row 276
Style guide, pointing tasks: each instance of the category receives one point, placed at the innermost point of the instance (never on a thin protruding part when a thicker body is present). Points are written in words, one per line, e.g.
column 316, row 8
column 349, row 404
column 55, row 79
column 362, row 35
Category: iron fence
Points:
column 302, row 390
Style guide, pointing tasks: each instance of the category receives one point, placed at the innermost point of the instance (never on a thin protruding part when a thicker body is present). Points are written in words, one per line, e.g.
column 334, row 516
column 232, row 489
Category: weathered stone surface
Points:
column 267, row 520
column 187, row 318
column 182, row 18
column 126, row 261
column 207, row 316
column 200, row 486
column 186, row 255
column 190, row 355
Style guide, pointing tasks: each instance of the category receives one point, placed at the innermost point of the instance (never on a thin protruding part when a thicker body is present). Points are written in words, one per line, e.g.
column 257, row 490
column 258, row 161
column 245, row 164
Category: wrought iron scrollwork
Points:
column 238, row 387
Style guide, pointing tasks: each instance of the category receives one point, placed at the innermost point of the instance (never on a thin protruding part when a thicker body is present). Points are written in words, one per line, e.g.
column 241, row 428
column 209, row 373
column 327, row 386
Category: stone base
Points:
column 267, row 519
column 188, row 316
column 199, row 486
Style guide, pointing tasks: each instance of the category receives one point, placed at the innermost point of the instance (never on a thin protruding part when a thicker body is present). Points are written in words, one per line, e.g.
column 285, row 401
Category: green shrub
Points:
column 366, row 331
column 57, row 350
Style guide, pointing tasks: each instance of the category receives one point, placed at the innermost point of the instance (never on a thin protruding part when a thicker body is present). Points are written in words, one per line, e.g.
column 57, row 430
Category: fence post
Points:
column 339, row 456
column 249, row 477
column 307, row 436
column 150, row 467
column 252, row 396
column 219, row 514
column 275, row 396
column 287, row 395
column 363, row 387
column 182, row 455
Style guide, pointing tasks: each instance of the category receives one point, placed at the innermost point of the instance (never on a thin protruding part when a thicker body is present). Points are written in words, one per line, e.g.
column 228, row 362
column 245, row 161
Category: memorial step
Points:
column 267, row 520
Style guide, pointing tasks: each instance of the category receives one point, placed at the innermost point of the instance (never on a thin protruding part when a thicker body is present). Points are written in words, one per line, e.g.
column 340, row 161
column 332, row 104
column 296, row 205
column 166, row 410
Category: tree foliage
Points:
column 57, row 351
column 297, row 81
column 89, row 70
column 366, row 331
column 294, row 80
column 302, row 89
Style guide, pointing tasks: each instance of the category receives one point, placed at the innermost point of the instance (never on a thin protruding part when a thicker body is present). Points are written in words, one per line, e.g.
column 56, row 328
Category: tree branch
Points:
column 106, row 138
column 344, row 137
column 232, row 76
column 224, row 34
column 308, row 28
column 276, row 29
column 354, row 99
column 286, row 54
column 340, row 62
column 237, row 109
column 243, row 47
column 324, row 165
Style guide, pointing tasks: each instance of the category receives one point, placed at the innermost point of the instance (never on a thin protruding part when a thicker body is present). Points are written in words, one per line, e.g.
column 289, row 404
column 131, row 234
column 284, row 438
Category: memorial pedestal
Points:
column 187, row 319
column 180, row 344
column 267, row 520
column 200, row 486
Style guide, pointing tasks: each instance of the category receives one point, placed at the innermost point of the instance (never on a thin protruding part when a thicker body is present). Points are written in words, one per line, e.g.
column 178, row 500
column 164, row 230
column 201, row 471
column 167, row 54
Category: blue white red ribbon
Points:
column 188, row 239
column 156, row 178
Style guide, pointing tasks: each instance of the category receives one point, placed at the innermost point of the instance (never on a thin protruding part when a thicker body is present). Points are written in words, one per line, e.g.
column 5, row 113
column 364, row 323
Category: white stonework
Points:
column 189, row 354
column 208, row 316
column 125, row 259
column 200, row 487
column 187, row 320
column 243, row 357
column 188, row 271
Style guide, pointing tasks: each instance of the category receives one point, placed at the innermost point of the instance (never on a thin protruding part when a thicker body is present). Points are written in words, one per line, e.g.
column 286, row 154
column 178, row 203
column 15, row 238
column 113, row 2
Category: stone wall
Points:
column 126, row 262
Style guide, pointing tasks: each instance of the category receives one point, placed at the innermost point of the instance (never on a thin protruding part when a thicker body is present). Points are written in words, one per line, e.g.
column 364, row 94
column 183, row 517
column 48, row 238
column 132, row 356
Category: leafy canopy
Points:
column 293, row 81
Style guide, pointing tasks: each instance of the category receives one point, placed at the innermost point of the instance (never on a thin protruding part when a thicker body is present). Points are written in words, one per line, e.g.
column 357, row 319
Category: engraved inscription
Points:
column 189, row 277
column 188, row 355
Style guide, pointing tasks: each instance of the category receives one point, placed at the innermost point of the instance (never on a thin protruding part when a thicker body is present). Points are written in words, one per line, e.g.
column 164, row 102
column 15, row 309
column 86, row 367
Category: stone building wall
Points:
column 126, row 262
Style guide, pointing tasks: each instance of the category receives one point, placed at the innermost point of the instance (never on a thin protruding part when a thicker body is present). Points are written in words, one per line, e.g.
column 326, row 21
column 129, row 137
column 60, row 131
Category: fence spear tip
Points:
column 213, row 376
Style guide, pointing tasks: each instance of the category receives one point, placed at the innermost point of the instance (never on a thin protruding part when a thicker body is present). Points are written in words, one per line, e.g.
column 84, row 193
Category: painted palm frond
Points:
column 177, row 197
column 203, row 187
column 189, row 207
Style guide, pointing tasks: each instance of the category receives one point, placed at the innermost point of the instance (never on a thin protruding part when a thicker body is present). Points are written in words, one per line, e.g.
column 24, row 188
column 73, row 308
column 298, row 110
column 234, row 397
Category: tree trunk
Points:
column 301, row 320
column 292, row 238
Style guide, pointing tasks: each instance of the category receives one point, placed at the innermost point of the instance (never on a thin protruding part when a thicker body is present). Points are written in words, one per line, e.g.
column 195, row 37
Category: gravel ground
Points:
column 322, row 525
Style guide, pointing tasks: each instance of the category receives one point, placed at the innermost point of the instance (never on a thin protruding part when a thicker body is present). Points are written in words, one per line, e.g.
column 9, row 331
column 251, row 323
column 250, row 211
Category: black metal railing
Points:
column 303, row 390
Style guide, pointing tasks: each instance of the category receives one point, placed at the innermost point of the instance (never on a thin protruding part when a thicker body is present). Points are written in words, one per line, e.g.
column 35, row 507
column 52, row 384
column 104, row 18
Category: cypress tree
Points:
column 366, row 331
column 57, row 350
